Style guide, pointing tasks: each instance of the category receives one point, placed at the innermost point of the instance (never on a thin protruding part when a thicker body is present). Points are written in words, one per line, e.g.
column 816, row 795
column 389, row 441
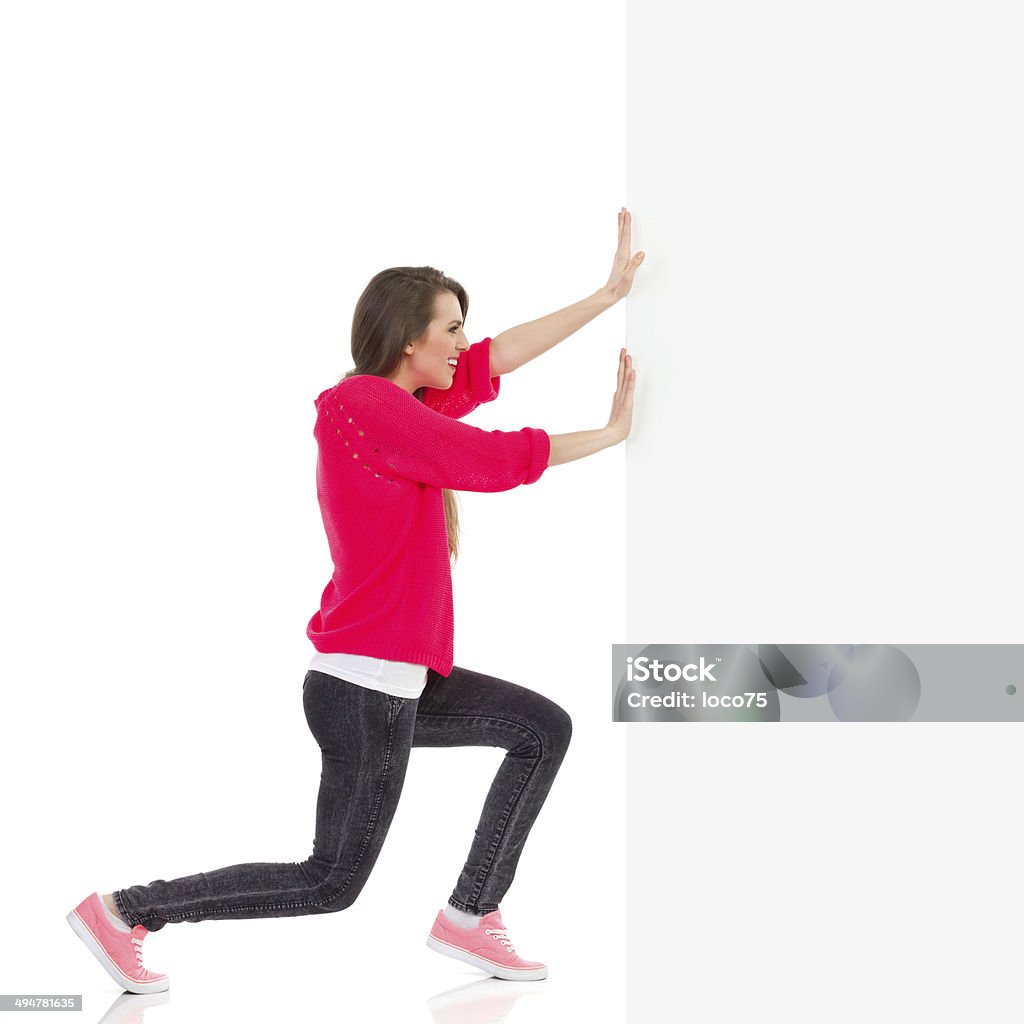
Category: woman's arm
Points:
column 567, row 447
column 518, row 345
column 378, row 428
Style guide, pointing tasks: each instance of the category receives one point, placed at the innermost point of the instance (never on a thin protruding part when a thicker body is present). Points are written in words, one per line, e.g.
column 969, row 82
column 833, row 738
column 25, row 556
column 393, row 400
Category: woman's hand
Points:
column 567, row 447
column 623, row 267
column 621, row 420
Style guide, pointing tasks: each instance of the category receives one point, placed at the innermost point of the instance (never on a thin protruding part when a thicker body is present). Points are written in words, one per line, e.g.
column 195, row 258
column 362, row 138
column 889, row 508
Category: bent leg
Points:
column 364, row 737
column 471, row 709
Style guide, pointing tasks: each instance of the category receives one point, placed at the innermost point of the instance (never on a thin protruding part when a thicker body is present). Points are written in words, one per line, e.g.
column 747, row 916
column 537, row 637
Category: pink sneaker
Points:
column 487, row 946
column 119, row 952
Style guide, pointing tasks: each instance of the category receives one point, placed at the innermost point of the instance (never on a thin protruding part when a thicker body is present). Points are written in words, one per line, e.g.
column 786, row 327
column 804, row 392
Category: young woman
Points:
column 392, row 450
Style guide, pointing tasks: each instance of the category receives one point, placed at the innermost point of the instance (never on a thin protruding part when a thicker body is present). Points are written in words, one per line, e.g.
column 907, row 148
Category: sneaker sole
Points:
column 505, row 973
column 81, row 929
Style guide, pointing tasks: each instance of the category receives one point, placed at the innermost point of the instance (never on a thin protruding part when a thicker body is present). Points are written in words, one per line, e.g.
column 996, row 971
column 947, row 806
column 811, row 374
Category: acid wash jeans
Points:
column 365, row 736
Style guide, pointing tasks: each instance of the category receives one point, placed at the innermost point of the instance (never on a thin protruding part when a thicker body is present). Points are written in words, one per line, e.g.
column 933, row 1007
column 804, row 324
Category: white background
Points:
column 827, row 449
column 194, row 196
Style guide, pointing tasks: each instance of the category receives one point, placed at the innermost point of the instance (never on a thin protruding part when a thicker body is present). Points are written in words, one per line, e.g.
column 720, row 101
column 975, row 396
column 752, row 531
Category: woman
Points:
column 392, row 450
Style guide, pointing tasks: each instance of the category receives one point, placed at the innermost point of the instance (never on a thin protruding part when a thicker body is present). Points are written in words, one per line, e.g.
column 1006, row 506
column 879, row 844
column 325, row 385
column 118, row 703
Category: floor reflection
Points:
column 129, row 1008
column 489, row 1001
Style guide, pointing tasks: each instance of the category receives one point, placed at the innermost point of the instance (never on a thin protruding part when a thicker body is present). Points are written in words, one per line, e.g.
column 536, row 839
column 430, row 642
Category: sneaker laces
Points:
column 501, row 935
column 137, row 943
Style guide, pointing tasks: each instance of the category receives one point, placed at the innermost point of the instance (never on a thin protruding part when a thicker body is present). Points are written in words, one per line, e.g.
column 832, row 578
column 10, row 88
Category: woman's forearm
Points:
column 518, row 345
column 567, row 447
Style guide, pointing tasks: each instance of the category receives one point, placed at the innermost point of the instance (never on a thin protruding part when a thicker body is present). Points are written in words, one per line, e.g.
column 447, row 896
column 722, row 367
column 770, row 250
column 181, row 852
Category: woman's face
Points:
column 427, row 365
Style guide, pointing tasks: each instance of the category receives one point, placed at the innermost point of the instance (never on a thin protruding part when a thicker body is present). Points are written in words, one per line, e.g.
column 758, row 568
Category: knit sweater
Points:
column 383, row 458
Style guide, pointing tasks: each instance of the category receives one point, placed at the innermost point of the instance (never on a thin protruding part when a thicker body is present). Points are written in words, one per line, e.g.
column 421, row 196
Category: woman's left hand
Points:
column 623, row 267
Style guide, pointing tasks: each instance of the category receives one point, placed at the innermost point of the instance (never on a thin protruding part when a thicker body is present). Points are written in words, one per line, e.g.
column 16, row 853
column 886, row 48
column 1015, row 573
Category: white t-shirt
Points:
column 399, row 678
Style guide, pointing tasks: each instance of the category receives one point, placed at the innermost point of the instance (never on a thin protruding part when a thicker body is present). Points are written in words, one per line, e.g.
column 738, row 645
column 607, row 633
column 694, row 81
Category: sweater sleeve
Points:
column 396, row 435
column 472, row 384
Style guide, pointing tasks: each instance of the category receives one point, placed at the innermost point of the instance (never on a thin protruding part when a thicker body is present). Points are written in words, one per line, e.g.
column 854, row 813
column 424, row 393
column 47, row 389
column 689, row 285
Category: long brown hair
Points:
column 396, row 307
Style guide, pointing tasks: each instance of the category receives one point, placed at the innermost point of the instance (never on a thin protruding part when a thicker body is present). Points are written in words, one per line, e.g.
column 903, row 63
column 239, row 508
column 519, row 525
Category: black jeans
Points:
column 365, row 737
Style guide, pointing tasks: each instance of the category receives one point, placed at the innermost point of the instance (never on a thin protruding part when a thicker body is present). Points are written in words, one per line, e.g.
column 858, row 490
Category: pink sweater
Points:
column 384, row 457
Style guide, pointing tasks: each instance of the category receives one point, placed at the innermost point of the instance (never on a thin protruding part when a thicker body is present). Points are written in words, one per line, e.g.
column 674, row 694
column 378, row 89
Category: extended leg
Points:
column 364, row 737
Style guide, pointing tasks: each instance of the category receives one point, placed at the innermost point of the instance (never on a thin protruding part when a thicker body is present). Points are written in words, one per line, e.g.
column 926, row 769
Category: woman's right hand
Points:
column 621, row 420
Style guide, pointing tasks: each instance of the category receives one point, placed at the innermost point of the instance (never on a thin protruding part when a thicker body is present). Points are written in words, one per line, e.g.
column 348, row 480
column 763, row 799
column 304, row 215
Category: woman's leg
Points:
column 364, row 736
column 471, row 709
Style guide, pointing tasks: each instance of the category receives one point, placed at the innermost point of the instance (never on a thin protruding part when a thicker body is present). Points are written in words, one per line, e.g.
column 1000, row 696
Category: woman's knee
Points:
column 561, row 727
column 553, row 727
column 344, row 899
column 332, row 890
